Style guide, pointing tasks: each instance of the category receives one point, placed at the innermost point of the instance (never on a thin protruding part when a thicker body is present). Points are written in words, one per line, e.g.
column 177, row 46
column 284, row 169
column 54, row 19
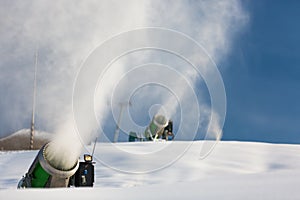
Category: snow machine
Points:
column 44, row 173
column 159, row 128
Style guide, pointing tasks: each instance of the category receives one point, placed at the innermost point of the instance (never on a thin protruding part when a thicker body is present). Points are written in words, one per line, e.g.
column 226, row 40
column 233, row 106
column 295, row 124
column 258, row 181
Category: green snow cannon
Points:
column 156, row 127
column 43, row 174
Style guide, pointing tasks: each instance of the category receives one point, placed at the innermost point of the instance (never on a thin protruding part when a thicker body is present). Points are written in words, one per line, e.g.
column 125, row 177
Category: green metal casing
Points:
column 40, row 177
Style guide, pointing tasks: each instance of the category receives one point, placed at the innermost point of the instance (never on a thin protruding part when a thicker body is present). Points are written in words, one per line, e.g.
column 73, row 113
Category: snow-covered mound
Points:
column 234, row 170
column 20, row 140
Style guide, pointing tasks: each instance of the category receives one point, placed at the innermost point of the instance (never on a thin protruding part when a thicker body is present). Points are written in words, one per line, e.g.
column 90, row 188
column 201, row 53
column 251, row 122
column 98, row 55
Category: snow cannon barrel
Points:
column 44, row 173
column 156, row 127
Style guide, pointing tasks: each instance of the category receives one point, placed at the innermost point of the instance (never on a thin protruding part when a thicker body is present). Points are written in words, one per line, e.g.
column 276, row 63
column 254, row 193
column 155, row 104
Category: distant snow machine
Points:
column 45, row 174
column 159, row 128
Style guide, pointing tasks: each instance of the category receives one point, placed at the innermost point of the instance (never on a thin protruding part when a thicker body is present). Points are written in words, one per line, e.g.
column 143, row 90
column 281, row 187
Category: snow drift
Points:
column 234, row 170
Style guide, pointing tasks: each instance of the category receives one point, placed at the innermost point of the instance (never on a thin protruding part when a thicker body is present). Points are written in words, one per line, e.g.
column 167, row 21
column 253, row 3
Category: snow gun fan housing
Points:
column 43, row 174
column 156, row 127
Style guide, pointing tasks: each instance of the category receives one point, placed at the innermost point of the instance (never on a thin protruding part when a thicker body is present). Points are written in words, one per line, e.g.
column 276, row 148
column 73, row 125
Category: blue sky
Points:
column 263, row 80
column 261, row 71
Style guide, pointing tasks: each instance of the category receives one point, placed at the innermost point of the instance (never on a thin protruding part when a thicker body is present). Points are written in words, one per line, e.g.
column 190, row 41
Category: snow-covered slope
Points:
column 234, row 170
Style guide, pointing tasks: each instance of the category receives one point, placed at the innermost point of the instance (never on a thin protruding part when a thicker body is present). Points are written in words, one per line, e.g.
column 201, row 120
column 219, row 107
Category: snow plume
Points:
column 213, row 25
column 66, row 32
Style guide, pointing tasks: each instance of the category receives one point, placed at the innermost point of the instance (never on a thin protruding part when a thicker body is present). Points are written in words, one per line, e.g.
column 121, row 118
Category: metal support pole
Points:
column 117, row 131
column 33, row 103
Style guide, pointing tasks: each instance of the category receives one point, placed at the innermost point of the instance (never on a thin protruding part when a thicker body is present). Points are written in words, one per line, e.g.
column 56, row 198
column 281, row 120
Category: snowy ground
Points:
column 234, row 170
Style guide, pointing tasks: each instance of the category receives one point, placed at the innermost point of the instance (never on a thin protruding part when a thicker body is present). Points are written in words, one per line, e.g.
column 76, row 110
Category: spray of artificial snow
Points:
column 64, row 150
column 73, row 33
